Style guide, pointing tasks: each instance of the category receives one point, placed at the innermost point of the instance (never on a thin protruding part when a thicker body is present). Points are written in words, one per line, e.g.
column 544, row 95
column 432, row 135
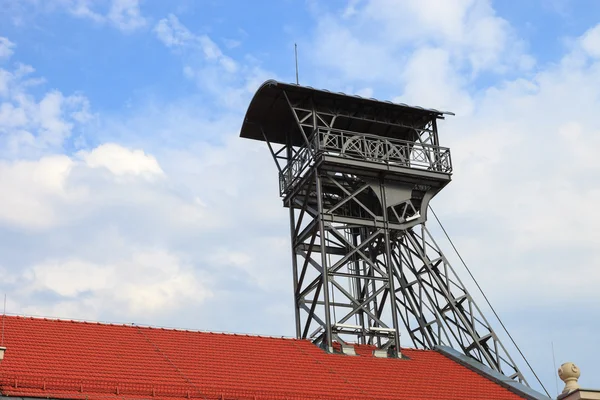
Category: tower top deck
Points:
column 270, row 116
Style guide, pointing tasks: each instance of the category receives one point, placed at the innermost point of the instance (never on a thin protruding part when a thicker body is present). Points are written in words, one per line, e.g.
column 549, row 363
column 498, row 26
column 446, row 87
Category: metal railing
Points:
column 365, row 147
column 294, row 170
column 385, row 150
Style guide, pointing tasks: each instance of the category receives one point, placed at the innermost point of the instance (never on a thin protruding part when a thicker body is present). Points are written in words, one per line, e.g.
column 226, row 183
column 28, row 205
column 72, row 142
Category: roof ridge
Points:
column 143, row 326
column 167, row 328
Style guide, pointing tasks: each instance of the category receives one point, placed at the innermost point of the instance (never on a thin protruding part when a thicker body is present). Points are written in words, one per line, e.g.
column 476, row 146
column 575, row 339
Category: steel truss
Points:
column 365, row 266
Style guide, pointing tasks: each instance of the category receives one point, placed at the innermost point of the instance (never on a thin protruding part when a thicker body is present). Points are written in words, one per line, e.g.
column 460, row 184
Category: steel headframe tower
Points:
column 357, row 176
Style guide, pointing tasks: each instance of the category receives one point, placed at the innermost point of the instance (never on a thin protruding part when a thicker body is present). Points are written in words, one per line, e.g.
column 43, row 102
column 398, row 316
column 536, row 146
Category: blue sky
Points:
column 128, row 197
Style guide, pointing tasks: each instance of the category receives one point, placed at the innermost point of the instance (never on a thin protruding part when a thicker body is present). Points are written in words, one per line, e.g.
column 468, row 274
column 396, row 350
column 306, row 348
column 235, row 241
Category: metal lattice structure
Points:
column 357, row 176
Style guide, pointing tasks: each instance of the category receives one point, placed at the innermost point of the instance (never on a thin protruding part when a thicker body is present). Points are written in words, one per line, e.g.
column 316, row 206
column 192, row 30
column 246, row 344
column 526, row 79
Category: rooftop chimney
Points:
column 2, row 350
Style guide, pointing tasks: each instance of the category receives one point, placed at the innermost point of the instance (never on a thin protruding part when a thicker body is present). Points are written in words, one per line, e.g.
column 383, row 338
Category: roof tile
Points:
column 74, row 360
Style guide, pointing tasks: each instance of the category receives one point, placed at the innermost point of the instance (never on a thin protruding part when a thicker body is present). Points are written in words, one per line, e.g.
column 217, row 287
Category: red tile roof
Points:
column 82, row 360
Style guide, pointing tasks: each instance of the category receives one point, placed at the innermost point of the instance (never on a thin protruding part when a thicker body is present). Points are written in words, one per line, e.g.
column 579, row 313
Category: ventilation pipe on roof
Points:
column 380, row 353
column 348, row 349
column 2, row 350
column 389, row 352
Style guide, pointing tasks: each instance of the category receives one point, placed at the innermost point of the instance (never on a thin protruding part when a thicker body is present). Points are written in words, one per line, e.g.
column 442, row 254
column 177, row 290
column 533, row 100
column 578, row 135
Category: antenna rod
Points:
column 554, row 362
column 296, row 56
column 3, row 316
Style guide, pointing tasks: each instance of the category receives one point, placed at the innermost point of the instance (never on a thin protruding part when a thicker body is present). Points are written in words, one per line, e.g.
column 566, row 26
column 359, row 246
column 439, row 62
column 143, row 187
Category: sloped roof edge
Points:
column 297, row 87
column 489, row 373
column 268, row 113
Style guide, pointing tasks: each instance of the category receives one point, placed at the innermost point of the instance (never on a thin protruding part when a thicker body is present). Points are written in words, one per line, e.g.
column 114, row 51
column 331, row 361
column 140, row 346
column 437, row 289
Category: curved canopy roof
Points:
column 270, row 110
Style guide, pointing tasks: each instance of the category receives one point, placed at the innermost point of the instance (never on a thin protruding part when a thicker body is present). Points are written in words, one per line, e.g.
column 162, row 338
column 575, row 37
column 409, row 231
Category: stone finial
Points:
column 569, row 373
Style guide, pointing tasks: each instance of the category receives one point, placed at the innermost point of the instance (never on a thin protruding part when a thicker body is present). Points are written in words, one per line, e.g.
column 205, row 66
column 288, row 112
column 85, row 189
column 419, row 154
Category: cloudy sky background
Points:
column 128, row 197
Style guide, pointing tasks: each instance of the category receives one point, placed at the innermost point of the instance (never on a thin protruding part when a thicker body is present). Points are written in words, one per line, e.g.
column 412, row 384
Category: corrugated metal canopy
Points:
column 270, row 110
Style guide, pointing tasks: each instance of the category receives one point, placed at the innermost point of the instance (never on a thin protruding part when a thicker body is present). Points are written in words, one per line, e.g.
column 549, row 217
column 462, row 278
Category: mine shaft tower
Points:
column 357, row 176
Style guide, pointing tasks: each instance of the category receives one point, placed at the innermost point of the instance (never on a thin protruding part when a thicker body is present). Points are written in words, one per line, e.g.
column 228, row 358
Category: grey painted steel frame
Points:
column 405, row 273
column 325, row 235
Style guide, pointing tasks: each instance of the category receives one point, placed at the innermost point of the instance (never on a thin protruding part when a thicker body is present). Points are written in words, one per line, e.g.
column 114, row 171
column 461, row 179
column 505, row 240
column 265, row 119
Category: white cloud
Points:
column 350, row 9
column 137, row 248
column 469, row 28
column 174, row 34
column 230, row 82
column 590, row 41
column 30, row 189
column 373, row 41
column 121, row 161
column 82, row 9
column 6, row 48
column 147, row 282
column 364, row 92
column 232, row 43
column 11, row 116
column 446, row 20
column 126, row 15
column 33, row 125
column 54, row 129
column 337, row 47
column 43, row 193
column 115, row 243
column 429, row 70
